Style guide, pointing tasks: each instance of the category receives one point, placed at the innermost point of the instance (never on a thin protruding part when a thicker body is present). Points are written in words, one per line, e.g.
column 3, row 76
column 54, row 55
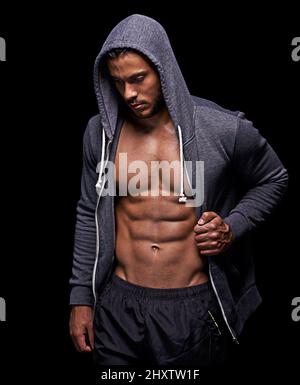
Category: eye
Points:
column 138, row 79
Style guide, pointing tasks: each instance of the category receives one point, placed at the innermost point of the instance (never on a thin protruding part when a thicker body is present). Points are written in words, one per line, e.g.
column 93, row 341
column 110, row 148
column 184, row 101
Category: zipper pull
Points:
column 215, row 322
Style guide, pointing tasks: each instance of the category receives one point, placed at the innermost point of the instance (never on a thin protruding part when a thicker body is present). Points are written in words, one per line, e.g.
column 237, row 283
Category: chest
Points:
column 148, row 147
column 148, row 156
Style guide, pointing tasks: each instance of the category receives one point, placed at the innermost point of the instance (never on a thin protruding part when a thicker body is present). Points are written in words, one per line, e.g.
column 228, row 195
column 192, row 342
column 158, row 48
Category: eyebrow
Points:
column 139, row 73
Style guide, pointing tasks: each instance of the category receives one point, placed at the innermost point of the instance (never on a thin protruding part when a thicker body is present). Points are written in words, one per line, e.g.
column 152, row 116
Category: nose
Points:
column 130, row 92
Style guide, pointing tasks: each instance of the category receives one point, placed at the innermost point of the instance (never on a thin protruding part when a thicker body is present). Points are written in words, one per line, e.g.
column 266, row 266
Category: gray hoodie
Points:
column 243, row 179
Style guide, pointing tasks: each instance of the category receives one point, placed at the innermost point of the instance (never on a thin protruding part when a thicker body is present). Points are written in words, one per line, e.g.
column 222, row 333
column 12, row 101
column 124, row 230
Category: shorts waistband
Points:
column 161, row 293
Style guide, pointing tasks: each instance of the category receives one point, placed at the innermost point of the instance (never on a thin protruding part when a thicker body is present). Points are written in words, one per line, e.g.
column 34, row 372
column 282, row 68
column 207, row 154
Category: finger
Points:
column 201, row 238
column 200, row 229
column 74, row 336
column 74, row 339
column 75, row 343
column 91, row 335
column 77, row 335
column 81, row 343
column 206, row 217
column 210, row 252
column 208, row 245
column 210, row 226
column 207, row 236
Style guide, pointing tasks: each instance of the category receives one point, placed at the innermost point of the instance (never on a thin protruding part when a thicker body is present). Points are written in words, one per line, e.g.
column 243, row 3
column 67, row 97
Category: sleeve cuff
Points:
column 238, row 223
column 82, row 295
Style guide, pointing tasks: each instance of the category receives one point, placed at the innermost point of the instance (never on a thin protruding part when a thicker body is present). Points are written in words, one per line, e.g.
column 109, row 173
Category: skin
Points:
column 159, row 242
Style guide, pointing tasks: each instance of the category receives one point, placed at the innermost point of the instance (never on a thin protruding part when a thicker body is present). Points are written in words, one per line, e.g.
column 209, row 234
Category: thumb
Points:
column 206, row 217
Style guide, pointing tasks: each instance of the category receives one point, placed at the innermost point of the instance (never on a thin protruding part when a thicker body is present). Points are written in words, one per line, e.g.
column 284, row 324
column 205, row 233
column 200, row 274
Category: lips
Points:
column 136, row 106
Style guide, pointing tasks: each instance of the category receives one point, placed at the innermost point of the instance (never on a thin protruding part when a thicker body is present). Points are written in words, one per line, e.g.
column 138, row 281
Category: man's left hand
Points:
column 212, row 234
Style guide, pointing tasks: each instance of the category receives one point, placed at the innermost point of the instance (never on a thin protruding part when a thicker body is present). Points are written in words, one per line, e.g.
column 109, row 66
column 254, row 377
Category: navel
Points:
column 155, row 248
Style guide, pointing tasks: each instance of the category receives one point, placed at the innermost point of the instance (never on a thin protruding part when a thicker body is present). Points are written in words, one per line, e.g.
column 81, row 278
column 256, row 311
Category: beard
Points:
column 158, row 104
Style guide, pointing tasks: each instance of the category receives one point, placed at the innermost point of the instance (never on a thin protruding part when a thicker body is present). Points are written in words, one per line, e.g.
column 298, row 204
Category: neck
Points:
column 160, row 119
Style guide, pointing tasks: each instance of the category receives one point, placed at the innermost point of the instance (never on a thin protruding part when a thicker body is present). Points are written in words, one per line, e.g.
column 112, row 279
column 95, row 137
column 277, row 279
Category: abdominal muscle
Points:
column 155, row 245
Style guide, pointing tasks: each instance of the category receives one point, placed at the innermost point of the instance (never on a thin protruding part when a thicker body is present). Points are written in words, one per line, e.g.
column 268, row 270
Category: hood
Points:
column 149, row 37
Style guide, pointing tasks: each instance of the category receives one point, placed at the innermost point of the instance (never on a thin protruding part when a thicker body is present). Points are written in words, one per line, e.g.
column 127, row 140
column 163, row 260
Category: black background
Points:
column 240, row 58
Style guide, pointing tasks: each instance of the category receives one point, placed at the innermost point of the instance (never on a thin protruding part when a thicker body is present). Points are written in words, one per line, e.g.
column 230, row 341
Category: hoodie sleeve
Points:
column 260, row 169
column 85, row 229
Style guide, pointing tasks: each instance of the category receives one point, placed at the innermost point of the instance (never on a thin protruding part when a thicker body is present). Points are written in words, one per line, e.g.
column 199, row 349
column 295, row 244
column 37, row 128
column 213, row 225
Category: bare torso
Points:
column 155, row 244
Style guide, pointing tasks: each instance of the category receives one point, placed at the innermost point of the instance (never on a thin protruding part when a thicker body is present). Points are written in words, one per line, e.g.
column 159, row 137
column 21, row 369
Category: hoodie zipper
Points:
column 235, row 340
column 210, row 274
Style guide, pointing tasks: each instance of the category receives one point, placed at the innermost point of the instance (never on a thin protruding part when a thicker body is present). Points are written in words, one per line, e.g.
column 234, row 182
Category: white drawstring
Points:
column 99, row 189
column 182, row 196
column 98, row 184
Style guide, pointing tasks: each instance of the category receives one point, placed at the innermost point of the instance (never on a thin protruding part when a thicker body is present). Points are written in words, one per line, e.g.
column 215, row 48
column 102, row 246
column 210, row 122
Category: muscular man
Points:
column 153, row 232
column 166, row 257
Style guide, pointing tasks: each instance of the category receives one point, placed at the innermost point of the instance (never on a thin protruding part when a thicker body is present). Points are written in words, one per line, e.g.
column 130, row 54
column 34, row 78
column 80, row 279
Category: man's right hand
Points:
column 81, row 328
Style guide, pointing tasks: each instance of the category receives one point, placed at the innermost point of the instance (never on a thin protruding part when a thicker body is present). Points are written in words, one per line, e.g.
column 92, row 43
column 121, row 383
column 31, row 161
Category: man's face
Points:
column 138, row 84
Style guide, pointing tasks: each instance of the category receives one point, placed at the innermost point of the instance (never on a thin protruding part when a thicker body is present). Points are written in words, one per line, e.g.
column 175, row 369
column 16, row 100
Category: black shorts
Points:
column 135, row 325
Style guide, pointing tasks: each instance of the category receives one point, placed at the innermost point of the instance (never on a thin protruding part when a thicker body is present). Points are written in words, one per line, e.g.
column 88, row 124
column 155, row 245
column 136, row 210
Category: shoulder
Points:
column 216, row 121
column 212, row 111
column 215, row 125
column 92, row 135
column 94, row 124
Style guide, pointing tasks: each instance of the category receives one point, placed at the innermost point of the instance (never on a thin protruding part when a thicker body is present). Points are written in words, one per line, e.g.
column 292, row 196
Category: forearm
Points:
column 83, row 258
